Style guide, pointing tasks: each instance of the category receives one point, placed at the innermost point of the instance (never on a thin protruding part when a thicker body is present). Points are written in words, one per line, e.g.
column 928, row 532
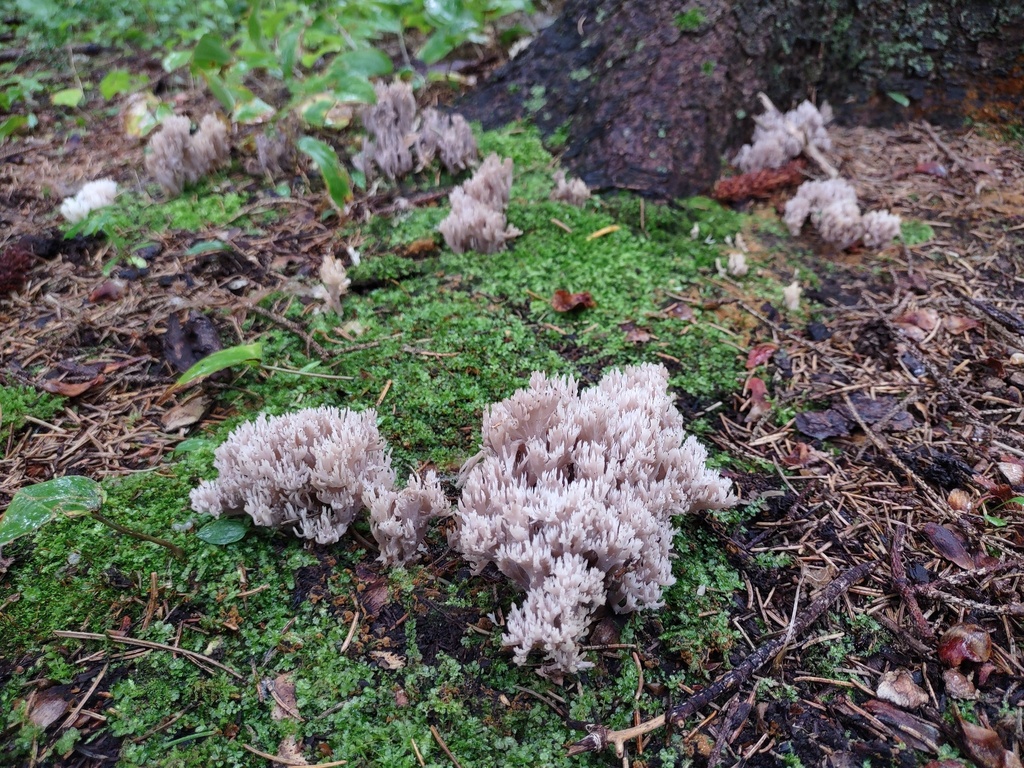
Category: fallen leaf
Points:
column 917, row 323
column 186, row 414
column 959, row 324
column 959, row 500
column 985, row 748
column 422, row 248
column 635, row 335
column 108, row 290
column 872, row 410
column 563, row 301
column 964, row 642
column 282, row 690
column 47, row 708
column 822, row 425
column 72, row 388
column 932, row 169
column 760, row 355
column 388, row 660
column 1012, row 469
column 679, row 310
column 759, row 405
column 949, row 544
column 803, row 455
column 958, row 686
column 1001, row 491
column 290, row 753
column 898, row 687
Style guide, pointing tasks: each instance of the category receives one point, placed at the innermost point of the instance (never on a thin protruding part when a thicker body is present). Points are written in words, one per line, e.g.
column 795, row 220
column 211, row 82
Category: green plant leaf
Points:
column 899, row 98
column 253, row 111
column 207, row 246
column 11, row 125
column 224, row 530
column 34, row 506
column 117, row 81
column 995, row 522
column 175, row 60
column 69, row 97
column 210, row 52
column 438, row 46
column 367, row 62
column 288, row 50
column 218, row 361
column 220, row 90
column 192, row 444
column 339, row 185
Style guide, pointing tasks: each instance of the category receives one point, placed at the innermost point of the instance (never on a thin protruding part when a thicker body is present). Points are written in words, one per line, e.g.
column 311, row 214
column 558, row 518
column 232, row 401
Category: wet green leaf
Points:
column 36, row 505
column 218, row 361
column 336, row 178
column 69, row 97
column 225, row 530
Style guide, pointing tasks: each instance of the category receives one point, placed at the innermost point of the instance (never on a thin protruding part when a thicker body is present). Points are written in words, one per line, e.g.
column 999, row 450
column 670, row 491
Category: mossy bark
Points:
column 649, row 96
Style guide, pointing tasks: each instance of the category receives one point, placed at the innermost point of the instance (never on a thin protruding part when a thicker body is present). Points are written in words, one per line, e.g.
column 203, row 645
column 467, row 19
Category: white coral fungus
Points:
column 477, row 219
column 833, row 209
column 791, row 296
column 390, row 125
column 335, row 281
column 312, row 471
column 572, row 497
column 448, row 137
column 778, row 138
column 574, row 192
column 177, row 157
column 95, row 194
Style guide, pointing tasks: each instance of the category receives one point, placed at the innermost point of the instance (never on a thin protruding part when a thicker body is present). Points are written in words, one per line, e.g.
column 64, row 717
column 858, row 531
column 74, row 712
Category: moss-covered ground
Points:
column 430, row 343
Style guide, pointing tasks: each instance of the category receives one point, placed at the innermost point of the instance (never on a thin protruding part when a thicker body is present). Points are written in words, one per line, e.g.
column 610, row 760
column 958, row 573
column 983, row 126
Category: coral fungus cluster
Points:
column 177, row 156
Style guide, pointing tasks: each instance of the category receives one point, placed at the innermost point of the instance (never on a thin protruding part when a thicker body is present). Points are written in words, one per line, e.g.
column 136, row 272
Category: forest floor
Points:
column 879, row 422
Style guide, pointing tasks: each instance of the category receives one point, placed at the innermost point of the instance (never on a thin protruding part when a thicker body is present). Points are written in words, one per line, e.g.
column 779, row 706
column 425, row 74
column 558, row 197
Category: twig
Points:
column 287, row 324
column 601, row 737
column 808, row 148
column 902, row 585
column 284, row 761
column 190, row 655
column 178, row 552
column 440, row 741
column 70, row 719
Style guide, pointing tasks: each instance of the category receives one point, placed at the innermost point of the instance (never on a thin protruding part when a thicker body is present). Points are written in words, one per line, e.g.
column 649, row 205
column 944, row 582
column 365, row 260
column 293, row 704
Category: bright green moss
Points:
column 17, row 402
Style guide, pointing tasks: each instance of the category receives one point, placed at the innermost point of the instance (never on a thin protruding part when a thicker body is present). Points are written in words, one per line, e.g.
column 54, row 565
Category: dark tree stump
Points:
column 648, row 96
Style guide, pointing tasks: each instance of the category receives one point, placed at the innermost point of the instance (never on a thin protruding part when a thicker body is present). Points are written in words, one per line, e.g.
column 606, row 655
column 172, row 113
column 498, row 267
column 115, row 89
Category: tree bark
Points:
column 649, row 96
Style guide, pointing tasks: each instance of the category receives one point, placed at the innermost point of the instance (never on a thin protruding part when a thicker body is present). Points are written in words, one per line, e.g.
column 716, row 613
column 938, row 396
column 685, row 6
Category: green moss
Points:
column 17, row 402
column 691, row 20
column 916, row 232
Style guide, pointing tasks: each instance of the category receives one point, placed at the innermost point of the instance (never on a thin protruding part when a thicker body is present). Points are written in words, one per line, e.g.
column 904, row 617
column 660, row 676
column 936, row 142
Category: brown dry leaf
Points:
column 282, row 690
column 964, row 642
column 108, row 290
column 679, row 310
column 48, row 707
column 422, row 248
column 759, row 404
column 959, row 324
column 635, row 335
column 959, row 500
column 1012, row 469
column 185, row 414
column 949, row 544
column 72, row 388
column 759, row 184
column 932, row 169
column 823, row 425
column 388, row 660
column 898, row 687
column 958, row 686
column 803, row 455
column 290, row 752
column 917, row 323
column 760, row 355
column 985, row 748
column 563, row 301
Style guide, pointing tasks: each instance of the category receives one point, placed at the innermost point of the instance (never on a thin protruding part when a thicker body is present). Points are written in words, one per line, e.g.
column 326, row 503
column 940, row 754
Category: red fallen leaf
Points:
column 1001, row 491
column 917, row 323
column 932, row 169
column 108, row 290
column 759, row 406
column 984, row 671
column 803, row 455
column 985, row 748
column 679, row 310
column 964, row 642
column 950, row 545
column 959, row 324
column 72, row 388
column 760, row 355
column 563, row 301
column 636, row 335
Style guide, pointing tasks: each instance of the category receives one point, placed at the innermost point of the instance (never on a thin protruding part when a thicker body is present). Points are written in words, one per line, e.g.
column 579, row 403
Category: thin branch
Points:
column 196, row 658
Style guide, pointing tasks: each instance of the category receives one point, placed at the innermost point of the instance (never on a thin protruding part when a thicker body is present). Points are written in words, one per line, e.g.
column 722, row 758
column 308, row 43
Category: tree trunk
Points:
column 648, row 96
